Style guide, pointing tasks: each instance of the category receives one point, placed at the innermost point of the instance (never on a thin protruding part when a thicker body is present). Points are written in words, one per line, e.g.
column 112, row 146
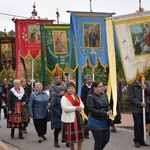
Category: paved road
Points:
column 122, row 140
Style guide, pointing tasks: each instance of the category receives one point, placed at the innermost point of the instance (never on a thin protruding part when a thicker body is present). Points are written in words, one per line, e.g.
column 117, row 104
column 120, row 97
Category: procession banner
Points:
column 88, row 32
column 57, row 46
column 7, row 53
column 28, row 36
column 133, row 37
column 28, row 42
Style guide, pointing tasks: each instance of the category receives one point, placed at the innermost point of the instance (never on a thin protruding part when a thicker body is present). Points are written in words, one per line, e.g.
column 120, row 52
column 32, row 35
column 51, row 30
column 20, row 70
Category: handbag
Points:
column 48, row 115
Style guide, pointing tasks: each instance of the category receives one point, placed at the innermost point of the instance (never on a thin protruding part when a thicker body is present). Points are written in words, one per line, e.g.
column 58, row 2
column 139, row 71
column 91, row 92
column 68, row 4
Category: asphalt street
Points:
column 122, row 140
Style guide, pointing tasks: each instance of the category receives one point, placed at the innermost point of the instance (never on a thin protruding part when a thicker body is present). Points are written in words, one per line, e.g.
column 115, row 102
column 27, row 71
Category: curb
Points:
column 6, row 146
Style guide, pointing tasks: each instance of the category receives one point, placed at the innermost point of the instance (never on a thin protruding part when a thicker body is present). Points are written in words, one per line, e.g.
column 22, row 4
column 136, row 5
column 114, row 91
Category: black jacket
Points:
column 84, row 93
column 135, row 97
column 98, row 106
column 11, row 100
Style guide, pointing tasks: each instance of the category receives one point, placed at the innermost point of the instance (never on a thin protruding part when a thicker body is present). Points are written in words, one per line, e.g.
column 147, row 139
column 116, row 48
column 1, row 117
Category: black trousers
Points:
column 40, row 126
column 86, row 128
column 56, row 134
column 138, row 127
column 101, row 138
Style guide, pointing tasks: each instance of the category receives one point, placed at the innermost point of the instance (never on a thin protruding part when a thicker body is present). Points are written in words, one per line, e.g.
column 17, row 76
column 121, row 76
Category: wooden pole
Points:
column 143, row 100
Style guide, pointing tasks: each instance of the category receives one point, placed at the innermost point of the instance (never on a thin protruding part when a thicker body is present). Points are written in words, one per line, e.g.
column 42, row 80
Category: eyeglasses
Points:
column 100, row 86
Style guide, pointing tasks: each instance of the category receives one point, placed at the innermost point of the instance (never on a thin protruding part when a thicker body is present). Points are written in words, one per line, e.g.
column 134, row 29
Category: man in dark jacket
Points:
column 86, row 87
column 29, row 85
column 54, row 85
column 137, row 105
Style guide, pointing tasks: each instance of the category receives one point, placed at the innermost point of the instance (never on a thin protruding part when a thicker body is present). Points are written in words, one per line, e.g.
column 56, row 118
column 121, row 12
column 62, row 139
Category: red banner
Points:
column 28, row 36
column 28, row 40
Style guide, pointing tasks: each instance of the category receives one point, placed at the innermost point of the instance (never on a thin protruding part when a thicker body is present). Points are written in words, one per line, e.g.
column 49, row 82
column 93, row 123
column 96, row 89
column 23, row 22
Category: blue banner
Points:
column 89, row 32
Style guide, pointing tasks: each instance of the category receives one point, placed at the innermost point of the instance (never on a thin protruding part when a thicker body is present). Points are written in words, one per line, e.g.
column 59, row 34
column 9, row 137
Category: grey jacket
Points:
column 37, row 105
column 53, row 89
column 135, row 96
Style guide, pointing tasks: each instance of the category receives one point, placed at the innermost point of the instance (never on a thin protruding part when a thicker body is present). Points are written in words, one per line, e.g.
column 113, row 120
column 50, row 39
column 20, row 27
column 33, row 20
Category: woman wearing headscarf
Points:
column 37, row 106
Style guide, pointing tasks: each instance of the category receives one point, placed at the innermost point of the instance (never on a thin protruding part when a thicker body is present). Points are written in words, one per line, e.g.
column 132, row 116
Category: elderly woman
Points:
column 37, row 106
column 71, row 118
column 17, row 113
column 99, row 110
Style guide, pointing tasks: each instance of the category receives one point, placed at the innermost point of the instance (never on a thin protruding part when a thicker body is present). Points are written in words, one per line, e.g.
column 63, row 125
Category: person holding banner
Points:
column 72, row 128
column 137, row 105
column 99, row 111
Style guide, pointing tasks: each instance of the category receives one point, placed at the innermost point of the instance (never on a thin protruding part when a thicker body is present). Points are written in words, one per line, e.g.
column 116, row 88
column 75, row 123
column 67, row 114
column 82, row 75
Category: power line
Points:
column 12, row 15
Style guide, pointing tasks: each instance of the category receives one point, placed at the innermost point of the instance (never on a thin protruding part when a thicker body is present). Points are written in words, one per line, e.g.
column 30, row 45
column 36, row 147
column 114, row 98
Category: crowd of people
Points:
column 23, row 100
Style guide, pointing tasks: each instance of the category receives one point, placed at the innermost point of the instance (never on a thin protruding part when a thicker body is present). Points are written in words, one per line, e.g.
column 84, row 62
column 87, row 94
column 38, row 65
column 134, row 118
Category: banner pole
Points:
column 140, row 8
column 143, row 100
column 90, row 5
column 32, row 73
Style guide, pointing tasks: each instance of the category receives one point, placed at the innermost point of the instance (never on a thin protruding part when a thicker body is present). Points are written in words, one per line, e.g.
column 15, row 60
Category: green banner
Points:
column 57, row 46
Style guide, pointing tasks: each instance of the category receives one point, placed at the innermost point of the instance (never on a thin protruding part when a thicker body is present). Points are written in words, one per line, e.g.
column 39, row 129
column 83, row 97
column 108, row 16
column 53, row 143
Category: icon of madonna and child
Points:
column 141, row 38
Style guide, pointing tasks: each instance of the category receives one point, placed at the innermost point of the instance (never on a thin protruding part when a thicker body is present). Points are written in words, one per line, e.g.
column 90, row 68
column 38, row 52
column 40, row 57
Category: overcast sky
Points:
column 47, row 8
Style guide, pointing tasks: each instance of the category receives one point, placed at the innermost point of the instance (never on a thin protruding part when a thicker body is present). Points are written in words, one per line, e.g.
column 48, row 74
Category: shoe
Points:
column 12, row 133
column 144, row 144
column 44, row 138
column 137, row 145
column 24, row 131
column 67, row 145
column 86, row 137
column 113, row 129
column 56, row 144
column 20, row 135
column 39, row 141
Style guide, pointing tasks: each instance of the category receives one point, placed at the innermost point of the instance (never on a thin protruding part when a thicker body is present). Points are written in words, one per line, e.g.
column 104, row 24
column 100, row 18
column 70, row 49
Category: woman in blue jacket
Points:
column 37, row 106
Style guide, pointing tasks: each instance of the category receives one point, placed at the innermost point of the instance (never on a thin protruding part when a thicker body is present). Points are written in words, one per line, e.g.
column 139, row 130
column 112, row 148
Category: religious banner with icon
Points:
column 7, row 53
column 28, row 36
column 133, row 37
column 57, row 45
column 89, row 32
column 28, row 42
